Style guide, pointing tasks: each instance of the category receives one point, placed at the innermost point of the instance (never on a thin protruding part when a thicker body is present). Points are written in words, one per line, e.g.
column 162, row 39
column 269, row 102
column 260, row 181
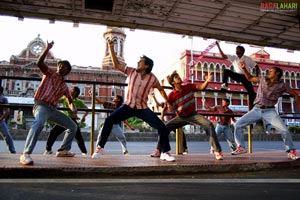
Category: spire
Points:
column 118, row 36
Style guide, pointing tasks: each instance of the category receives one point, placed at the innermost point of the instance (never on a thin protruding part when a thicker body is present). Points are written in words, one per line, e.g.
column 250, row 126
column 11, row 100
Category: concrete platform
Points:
column 141, row 165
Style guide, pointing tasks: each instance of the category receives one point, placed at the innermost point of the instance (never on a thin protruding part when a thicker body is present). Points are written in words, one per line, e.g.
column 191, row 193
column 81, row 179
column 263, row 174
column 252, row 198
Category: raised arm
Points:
column 40, row 63
column 114, row 58
column 249, row 77
column 204, row 85
column 208, row 106
column 220, row 50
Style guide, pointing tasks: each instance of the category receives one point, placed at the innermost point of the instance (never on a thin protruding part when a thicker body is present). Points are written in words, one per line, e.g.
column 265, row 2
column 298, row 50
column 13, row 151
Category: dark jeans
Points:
column 57, row 130
column 240, row 78
column 124, row 112
column 180, row 121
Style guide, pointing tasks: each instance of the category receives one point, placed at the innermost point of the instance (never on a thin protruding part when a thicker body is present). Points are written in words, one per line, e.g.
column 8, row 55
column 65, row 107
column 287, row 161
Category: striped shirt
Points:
column 139, row 88
column 183, row 101
column 268, row 95
column 51, row 88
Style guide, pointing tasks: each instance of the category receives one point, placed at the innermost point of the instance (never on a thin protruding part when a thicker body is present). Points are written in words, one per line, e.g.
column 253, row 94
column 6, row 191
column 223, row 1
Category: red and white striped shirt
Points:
column 139, row 88
column 51, row 88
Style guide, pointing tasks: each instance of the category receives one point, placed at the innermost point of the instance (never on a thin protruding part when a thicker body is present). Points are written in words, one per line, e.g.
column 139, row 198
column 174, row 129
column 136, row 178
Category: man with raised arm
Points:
column 270, row 88
column 140, row 81
column 47, row 96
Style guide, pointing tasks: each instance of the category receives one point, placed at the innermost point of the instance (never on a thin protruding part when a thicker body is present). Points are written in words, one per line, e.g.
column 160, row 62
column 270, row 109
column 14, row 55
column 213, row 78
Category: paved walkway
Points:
column 140, row 165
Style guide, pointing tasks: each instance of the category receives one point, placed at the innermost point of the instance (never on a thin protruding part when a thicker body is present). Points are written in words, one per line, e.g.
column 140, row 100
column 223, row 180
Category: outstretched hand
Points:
column 50, row 44
column 209, row 77
column 243, row 65
column 110, row 43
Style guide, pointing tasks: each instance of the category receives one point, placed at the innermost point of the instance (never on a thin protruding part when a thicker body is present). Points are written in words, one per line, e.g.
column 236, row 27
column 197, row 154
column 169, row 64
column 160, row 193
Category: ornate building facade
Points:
column 212, row 62
column 24, row 65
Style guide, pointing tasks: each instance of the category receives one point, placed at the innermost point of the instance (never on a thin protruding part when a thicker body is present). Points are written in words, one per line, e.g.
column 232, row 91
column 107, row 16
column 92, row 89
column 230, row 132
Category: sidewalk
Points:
column 141, row 165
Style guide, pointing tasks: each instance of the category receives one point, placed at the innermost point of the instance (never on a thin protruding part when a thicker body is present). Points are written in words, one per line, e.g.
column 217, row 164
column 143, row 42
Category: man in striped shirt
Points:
column 270, row 88
column 47, row 96
column 141, row 81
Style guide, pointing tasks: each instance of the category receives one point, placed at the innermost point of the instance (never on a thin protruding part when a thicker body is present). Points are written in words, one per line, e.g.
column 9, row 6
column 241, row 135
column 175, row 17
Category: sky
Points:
column 85, row 45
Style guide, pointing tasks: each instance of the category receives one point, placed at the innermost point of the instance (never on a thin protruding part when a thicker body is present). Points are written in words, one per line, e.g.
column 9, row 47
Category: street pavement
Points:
column 145, row 148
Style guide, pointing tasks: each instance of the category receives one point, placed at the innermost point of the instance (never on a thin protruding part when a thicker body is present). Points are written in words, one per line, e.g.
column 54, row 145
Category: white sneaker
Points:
column 98, row 151
column 64, row 153
column 293, row 155
column 224, row 87
column 219, row 155
column 25, row 159
column 47, row 152
column 167, row 157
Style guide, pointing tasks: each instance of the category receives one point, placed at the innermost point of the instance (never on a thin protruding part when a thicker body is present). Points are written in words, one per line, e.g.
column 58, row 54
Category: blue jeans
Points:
column 7, row 136
column 125, row 112
column 226, row 130
column 119, row 135
column 270, row 116
column 42, row 113
column 196, row 119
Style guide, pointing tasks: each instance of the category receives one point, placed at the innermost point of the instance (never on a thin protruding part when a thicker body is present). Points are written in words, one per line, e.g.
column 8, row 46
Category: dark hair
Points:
column 241, row 48
column 226, row 100
column 120, row 101
column 149, row 62
column 67, row 64
column 171, row 78
column 279, row 70
column 77, row 90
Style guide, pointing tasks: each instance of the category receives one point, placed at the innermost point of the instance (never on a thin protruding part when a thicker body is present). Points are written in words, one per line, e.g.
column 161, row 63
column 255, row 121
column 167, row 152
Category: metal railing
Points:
column 93, row 110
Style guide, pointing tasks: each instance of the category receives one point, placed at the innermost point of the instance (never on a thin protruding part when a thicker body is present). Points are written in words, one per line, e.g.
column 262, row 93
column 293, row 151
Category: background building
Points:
column 212, row 62
column 24, row 65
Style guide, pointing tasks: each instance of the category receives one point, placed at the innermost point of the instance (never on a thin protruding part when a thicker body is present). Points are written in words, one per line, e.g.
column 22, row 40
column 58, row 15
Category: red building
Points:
column 212, row 62
column 24, row 65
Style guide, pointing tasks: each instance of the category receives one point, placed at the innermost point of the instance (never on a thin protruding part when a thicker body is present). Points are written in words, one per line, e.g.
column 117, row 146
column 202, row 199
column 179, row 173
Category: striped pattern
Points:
column 183, row 101
column 268, row 95
column 139, row 88
column 51, row 88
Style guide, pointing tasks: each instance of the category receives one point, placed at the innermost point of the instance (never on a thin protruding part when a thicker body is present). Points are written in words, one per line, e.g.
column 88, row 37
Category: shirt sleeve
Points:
column 250, row 63
column 231, row 58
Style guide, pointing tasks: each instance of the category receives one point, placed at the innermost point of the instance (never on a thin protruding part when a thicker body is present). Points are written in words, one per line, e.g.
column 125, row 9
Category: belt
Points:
column 43, row 103
column 264, row 107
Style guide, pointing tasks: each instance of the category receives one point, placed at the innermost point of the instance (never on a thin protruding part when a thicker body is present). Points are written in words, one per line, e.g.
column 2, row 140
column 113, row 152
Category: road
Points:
column 279, row 184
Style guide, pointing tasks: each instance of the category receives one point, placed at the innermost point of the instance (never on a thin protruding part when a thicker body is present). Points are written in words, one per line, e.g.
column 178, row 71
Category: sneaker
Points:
column 25, row 159
column 83, row 154
column 212, row 151
column 156, row 154
column 292, row 155
column 219, row 155
column 167, row 157
column 64, row 153
column 224, row 87
column 239, row 150
column 185, row 152
column 48, row 152
column 98, row 151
